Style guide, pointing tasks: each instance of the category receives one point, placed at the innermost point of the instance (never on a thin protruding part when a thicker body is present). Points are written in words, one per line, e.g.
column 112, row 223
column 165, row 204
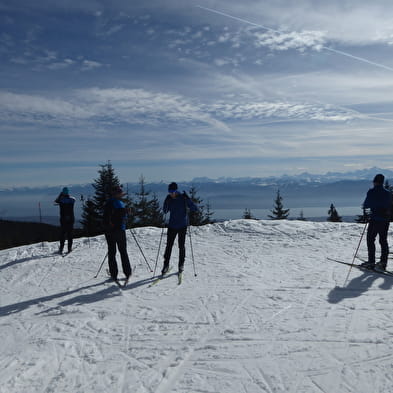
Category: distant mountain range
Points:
column 300, row 191
column 330, row 177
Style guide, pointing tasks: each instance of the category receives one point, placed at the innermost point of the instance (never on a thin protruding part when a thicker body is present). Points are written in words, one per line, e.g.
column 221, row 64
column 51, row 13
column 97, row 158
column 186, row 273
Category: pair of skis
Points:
column 157, row 280
column 363, row 268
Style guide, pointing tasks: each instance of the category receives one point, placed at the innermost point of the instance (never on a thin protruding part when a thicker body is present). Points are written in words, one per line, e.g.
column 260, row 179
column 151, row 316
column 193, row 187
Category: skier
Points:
column 67, row 218
column 115, row 223
column 176, row 204
column 379, row 201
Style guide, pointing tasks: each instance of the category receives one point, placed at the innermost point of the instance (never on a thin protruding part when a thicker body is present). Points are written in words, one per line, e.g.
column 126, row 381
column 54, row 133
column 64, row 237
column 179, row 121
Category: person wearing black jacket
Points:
column 379, row 201
column 115, row 224
column 67, row 218
column 176, row 204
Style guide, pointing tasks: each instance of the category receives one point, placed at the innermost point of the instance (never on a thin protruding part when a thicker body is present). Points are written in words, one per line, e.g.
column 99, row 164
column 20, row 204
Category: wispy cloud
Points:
column 142, row 107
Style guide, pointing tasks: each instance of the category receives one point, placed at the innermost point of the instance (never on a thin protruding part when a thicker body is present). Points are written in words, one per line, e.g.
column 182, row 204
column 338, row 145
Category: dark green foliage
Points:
column 279, row 213
column 93, row 210
column 247, row 214
column 91, row 221
column 301, row 216
column 333, row 215
column 15, row 233
column 147, row 210
column 363, row 218
column 204, row 213
column 103, row 185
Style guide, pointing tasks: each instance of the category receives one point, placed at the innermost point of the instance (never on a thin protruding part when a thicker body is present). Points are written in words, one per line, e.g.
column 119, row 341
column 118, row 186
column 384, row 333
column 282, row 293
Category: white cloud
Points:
column 88, row 65
column 141, row 107
column 294, row 40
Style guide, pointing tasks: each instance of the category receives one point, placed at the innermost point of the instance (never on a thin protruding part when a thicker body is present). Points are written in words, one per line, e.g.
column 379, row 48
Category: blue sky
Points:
column 176, row 89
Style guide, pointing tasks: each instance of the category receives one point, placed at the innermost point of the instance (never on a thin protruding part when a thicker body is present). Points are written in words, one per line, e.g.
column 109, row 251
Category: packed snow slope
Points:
column 267, row 312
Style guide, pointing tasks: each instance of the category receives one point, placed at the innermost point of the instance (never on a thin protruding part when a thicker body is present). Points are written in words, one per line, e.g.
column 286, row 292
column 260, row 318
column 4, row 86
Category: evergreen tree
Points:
column 156, row 213
column 363, row 218
column 147, row 210
column 333, row 215
column 279, row 213
column 204, row 213
column 103, row 185
column 301, row 216
column 247, row 214
column 91, row 221
column 93, row 210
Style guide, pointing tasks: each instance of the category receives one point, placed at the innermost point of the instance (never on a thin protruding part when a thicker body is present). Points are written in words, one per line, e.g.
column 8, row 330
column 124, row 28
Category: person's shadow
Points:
column 358, row 286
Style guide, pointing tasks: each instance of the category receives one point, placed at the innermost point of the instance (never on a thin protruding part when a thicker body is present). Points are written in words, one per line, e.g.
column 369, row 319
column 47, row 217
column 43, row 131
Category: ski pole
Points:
column 356, row 252
column 140, row 249
column 102, row 264
column 158, row 252
column 192, row 251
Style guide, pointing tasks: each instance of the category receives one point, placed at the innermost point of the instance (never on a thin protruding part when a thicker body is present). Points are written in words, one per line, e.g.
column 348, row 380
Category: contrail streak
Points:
column 339, row 52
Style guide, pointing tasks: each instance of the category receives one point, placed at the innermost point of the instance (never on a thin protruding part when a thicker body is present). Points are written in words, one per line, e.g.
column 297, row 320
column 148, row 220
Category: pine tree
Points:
column 301, row 216
column 156, row 213
column 279, row 213
column 363, row 218
column 204, row 213
column 93, row 209
column 247, row 214
column 333, row 215
column 91, row 221
column 103, row 185
column 147, row 210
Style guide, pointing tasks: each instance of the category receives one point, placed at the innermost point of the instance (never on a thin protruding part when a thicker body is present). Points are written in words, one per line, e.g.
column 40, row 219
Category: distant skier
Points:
column 67, row 218
column 176, row 204
column 379, row 201
column 115, row 223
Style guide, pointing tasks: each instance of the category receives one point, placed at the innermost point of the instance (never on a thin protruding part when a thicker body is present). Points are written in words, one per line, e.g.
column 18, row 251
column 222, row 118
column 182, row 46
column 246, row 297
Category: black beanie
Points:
column 172, row 187
column 379, row 179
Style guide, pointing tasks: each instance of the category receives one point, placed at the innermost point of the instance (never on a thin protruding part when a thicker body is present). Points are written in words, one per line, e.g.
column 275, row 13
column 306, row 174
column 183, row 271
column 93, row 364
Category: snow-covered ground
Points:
column 266, row 313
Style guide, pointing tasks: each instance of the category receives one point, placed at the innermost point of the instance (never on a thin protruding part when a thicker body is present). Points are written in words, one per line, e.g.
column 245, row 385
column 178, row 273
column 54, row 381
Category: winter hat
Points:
column 65, row 191
column 379, row 179
column 172, row 187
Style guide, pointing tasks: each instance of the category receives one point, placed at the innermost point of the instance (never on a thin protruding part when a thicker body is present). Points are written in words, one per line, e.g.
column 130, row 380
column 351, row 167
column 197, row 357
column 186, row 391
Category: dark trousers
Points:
column 117, row 239
column 379, row 228
column 181, row 239
column 66, row 233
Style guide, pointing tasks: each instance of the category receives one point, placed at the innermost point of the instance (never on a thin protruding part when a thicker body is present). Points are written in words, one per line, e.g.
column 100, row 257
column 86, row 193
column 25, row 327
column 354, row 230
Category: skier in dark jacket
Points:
column 379, row 201
column 67, row 218
column 176, row 204
column 115, row 223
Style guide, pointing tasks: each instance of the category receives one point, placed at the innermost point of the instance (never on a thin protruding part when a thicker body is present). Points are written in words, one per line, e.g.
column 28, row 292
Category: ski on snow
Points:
column 159, row 278
column 179, row 277
column 385, row 273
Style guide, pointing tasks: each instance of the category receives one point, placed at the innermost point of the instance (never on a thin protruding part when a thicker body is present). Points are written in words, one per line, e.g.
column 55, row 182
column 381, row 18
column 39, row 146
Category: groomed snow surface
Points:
column 267, row 312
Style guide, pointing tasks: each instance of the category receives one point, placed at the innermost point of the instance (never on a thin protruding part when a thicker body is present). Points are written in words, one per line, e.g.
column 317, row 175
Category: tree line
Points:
column 144, row 207
column 280, row 213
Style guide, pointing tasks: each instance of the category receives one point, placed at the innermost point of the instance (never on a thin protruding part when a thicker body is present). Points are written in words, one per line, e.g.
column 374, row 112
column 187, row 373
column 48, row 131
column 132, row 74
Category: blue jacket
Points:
column 115, row 215
column 177, row 207
column 379, row 201
column 66, row 204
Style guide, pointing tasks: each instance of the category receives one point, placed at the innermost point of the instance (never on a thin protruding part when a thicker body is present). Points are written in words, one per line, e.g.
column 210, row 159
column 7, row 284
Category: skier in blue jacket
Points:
column 176, row 204
column 379, row 201
column 115, row 223
column 67, row 218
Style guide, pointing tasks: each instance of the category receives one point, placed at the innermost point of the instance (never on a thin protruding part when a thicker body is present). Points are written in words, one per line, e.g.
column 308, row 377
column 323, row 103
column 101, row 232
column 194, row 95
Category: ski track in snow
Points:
column 266, row 313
